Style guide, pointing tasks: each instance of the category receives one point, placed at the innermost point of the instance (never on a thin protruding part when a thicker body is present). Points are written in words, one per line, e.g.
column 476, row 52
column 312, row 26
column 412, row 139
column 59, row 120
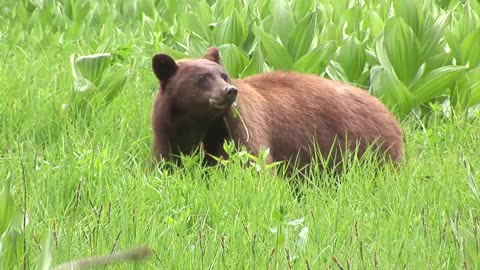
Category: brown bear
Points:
column 295, row 115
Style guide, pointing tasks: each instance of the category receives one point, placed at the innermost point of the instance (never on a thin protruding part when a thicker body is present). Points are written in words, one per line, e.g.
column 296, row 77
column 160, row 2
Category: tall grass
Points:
column 75, row 143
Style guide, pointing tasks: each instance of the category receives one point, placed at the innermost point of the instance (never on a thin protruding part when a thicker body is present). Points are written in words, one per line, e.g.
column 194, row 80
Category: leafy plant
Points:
column 95, row 82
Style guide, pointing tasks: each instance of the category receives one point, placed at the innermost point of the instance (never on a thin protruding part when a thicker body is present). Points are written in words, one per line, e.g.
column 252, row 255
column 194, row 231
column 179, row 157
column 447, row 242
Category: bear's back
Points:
column 298, row 107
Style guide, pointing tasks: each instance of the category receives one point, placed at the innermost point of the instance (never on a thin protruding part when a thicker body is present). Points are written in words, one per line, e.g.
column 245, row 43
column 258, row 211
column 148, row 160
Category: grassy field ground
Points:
column 85, row 181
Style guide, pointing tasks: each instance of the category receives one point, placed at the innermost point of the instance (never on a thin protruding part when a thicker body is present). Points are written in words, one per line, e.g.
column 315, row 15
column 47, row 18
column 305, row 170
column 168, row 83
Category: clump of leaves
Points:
column 97, row 81
column 12, row 230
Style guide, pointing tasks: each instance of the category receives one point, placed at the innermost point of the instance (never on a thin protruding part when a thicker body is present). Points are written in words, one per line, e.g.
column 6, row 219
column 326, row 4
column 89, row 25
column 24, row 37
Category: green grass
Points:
column 83, row 175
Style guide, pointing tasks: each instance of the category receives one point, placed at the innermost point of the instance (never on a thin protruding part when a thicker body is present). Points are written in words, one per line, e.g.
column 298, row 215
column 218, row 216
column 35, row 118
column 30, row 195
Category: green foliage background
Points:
column 78, row 170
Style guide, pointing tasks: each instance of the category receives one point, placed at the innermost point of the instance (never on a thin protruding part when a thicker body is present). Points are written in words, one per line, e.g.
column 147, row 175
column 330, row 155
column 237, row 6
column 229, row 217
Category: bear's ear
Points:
column 213, row 55
column 163, row 66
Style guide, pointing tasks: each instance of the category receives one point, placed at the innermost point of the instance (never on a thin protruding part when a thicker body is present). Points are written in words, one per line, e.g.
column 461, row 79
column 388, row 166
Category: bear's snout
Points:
column 227, row 96
column 230, row 90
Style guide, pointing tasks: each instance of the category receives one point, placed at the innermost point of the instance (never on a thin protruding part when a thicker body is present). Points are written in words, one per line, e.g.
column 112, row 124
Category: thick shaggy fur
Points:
column 290, row 113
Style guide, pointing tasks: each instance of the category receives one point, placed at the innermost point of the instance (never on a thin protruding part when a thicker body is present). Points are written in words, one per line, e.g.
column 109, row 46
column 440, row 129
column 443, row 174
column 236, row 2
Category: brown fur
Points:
column 285, row 112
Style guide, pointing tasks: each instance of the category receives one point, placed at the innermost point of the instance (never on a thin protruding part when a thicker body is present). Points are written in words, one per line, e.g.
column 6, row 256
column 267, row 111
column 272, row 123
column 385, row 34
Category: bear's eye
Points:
column 225, row 77
column 203, row 78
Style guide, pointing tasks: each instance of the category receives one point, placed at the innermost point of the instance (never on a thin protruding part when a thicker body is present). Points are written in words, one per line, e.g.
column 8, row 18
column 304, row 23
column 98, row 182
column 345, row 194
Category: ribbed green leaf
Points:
column 391, row 91
column 470, row 49
column 317, row 60
column 197, row 46
column 374, row 23
column 300, row 8
column 436, row 61
column 275, row 54
column 91, row 67
column 352, row 58
column 231, row 30
column 203, row 11
column 7, row 209
column 177, row 55
column 352, row 17
column 256, row 63
column 147, row 7
column 402, row 48
column 302, row 37
column 335, row 71
column 435, row 83
column 381, row 53
column 112, row 85
column 233, row 59
column 467, row 90
column 196, row 25
column 283, row 22
column 329, row 32
column 45, row 260
column 474, row 94
column 12, row 251
column 467, row 22
column 411, row 12
column 432, row 36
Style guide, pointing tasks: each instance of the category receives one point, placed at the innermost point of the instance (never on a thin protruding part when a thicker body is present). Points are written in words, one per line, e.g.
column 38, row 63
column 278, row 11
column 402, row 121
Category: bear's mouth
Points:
column 220, row 105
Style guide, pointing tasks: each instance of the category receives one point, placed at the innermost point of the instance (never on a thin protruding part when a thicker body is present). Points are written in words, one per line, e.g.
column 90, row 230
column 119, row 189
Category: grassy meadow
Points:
column 76, row 90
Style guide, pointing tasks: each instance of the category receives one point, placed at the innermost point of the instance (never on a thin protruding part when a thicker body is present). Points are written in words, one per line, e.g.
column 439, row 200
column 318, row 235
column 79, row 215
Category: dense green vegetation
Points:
column 76, row 90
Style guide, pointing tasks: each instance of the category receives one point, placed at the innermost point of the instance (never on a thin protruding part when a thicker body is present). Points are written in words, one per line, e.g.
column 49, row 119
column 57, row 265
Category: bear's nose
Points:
column 230, row 90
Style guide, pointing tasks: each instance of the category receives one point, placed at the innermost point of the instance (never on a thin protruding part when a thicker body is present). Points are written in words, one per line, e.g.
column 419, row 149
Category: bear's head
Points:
column 200, row 88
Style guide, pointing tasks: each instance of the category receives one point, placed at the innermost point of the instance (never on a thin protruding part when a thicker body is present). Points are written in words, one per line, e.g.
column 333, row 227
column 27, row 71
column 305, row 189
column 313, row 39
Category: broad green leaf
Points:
column 275, row 54
column 300, row 8
column 45, row 260
column 436, row 61
column 474, row 95
column 352, row 58
column 402, row 48
column 432, row 36
column 196, row 25
column 256, row 63
column 91, row 67
column 470, row 49
column 467, row 90
column 82, row 85
column 329, row 32
column 371, row 58
column 475, row 5
column 112, row 85
column 411, row 12
column 326, row 10
column 177, row 55
column 283, row 22
column 317, row 60
column 202, row 10
column 374, row 23
column 391, row 91
column 230, row 6
column 435, row 83
column 467, row 240
column 7, row 206
column 197, row 45
column 147, row 7
column 302, row 36
column 335, row 71
column 467, row 22
column 11, row 252
column 381, row 53
column 353, row 18
column 231, row 30
column 233, row 59
column 264, row 8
